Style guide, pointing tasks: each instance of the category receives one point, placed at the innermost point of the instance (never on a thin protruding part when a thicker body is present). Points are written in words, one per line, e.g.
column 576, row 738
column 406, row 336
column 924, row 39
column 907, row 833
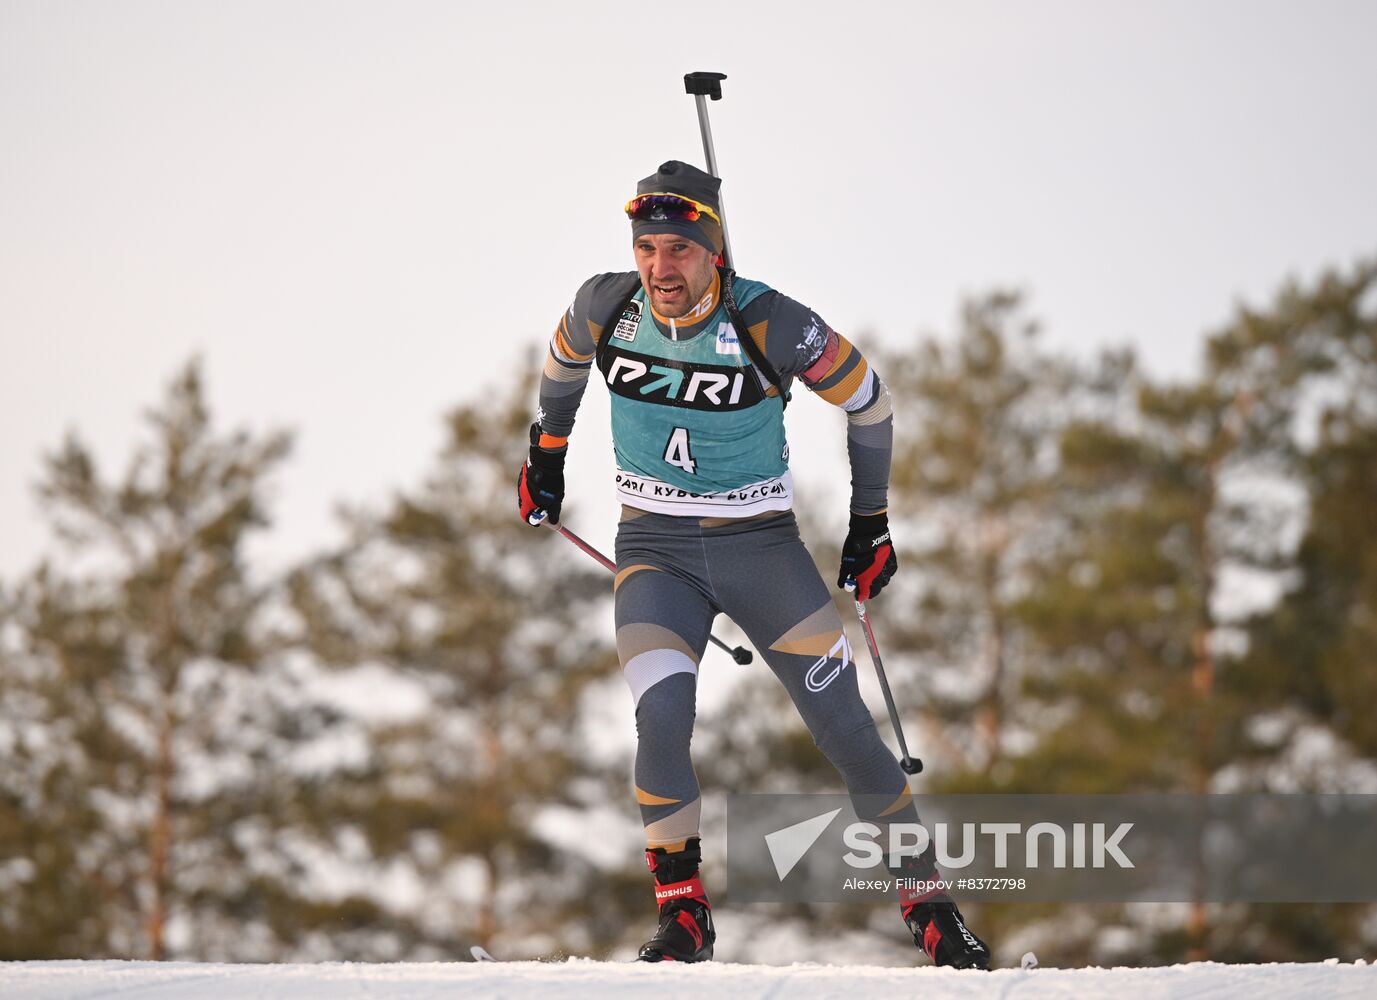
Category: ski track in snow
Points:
column 584, row 978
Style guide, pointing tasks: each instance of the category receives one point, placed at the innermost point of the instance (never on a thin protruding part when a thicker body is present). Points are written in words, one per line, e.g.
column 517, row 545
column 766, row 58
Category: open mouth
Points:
column 668, row 291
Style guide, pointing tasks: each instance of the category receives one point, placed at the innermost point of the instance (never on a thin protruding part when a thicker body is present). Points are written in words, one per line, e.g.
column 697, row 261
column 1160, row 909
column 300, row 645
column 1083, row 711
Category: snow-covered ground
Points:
column 583, row 978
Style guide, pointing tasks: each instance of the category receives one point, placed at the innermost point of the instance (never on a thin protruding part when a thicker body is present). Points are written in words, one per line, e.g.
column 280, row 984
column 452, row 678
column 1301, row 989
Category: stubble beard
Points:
column 695, row 286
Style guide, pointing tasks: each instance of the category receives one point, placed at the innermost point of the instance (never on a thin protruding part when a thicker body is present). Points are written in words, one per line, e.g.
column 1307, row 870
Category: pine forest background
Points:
column 394, row 750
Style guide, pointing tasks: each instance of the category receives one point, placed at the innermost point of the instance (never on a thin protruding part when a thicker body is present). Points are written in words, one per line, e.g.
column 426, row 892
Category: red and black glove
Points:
column 868, row 558
column 540, row 483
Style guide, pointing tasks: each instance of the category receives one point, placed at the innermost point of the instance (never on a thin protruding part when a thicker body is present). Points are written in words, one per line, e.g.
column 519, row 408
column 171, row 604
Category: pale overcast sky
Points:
column 361, row 214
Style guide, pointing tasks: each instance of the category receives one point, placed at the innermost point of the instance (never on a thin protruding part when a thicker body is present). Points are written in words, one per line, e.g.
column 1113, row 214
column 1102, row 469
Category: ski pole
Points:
column 911, row 765
column 704, row 86
column 740, row 654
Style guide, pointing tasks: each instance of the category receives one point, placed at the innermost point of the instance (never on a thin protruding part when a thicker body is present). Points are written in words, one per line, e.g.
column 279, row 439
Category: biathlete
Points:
column 700, row 365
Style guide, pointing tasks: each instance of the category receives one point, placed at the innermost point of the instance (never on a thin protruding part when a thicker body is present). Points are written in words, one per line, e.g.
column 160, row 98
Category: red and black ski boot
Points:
column 940, row 930
column 936, row 924
column 685, row 933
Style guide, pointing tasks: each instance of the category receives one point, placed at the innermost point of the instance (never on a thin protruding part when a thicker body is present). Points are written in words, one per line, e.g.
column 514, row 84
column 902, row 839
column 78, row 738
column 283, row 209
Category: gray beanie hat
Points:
column 686, row 180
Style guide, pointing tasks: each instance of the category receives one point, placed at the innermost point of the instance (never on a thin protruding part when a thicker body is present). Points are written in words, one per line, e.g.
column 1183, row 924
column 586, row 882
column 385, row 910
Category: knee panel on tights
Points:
column 666, row 787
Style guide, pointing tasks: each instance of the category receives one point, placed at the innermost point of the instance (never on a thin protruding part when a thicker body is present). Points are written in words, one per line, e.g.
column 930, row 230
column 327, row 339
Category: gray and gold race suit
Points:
column 707, row 524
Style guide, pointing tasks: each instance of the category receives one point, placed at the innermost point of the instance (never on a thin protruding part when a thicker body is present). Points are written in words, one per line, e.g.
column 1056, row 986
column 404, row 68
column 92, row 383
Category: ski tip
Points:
column 1028, row 961
column 480, row 954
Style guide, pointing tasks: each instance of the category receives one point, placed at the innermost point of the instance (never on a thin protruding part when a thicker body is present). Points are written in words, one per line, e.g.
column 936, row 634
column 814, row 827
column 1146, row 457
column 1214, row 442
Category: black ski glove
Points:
column 540, row 483
column 868, row 558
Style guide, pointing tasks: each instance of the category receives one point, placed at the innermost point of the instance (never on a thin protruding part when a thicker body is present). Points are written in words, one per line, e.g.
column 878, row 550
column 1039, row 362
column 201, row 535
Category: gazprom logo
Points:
column 726, row 339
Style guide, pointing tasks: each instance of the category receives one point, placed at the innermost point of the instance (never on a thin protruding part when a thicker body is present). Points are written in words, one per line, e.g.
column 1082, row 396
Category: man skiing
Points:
column 699, row 365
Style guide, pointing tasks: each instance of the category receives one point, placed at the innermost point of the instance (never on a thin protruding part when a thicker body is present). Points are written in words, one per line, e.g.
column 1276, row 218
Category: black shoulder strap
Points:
column 744, row 338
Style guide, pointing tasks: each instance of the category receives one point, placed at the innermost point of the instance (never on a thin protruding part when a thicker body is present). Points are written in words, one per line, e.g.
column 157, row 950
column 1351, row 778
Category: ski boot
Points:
column 685, row 933
column 932, row 917
column 939, row 929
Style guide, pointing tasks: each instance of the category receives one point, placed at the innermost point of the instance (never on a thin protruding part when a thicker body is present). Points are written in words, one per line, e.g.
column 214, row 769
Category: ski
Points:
column 1027, row 963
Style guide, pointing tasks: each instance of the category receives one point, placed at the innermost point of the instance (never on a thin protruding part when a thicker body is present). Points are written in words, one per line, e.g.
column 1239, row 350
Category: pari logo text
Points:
column 682, row 384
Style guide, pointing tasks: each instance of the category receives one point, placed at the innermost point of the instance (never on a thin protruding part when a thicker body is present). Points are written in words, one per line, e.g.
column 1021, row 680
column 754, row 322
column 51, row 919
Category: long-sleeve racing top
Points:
column 696, row 427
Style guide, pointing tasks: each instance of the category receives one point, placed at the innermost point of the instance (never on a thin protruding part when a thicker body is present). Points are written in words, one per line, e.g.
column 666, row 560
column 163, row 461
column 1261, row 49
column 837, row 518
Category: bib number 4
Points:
column 677, row 451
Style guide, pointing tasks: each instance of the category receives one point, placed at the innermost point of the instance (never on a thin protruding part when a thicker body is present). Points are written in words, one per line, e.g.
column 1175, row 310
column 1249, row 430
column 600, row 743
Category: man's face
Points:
column 675, row 272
